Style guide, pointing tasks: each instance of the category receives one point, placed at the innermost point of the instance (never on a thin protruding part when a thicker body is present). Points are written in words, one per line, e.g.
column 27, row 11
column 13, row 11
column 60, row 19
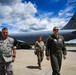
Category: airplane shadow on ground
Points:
column 71, row 50
column 32, row 67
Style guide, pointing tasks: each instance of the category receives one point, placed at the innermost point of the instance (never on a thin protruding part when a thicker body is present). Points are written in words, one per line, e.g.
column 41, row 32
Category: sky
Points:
column 35, row 15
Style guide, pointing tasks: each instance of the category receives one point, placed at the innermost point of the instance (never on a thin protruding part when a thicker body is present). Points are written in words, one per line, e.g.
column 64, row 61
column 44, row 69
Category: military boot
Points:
column 40, row 67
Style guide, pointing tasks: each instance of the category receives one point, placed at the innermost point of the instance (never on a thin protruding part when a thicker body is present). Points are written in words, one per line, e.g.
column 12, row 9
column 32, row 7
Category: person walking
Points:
column 7, row 53
column 55, row 47
column 39, row 51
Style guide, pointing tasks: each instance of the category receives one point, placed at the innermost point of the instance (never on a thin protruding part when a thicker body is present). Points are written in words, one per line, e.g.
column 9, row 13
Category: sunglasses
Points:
column 55, row 29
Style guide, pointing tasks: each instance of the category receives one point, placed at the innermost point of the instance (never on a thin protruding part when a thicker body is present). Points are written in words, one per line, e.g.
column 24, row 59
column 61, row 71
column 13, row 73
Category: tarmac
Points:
column 26, row 63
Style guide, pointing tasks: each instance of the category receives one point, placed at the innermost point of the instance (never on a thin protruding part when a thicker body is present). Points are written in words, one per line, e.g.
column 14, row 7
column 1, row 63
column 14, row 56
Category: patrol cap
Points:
column 55, row 28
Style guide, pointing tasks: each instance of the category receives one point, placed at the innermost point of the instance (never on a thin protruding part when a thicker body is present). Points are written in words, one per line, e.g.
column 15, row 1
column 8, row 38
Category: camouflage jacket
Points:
column 39, row 46
column 6, row 47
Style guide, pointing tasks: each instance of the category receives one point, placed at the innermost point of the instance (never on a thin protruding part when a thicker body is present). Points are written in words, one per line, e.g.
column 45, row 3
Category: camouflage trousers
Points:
column 6, row 69
column 40, row 56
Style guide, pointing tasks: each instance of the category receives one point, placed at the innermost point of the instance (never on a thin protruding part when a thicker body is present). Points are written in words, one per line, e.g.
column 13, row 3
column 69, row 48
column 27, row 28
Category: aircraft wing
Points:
column 74, row 32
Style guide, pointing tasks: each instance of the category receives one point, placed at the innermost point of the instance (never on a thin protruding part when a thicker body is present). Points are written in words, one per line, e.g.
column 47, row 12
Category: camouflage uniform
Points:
column 6, row 47
column 39, row 51
column 55, row 48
